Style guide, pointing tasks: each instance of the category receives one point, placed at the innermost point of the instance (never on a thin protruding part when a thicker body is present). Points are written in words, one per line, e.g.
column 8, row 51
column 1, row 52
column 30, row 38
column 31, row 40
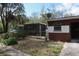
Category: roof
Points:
column 35, row 23
column 64, row 18
column 20, row 25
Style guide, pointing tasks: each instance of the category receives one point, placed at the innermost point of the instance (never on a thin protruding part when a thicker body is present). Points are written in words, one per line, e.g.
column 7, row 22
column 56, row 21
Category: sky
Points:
column 31, row 8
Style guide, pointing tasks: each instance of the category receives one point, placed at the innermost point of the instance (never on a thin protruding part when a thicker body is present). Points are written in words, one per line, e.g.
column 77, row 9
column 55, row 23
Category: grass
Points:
column 36, row 47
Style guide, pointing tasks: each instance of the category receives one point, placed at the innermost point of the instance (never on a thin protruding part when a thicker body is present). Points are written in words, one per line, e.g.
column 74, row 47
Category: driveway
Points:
column 70, row 49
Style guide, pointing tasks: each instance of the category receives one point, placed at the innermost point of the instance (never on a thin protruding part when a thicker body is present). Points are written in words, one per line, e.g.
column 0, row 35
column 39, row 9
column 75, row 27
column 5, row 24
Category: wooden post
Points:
column 39, row 29
column 47, row 34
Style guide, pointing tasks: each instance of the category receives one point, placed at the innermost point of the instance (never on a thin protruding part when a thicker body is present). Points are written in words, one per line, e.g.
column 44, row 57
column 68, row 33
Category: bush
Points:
column 5, row 35
column 12, row 34
column 20, row 34
column 17, row 35
column 10, row 41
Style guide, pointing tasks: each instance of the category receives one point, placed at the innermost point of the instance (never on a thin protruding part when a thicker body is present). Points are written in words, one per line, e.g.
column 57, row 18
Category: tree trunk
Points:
column 3, row 20
column 6, row 24
column 3, row 23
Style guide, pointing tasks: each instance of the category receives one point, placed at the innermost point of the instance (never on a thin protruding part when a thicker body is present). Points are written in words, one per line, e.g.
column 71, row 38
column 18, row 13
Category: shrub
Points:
column 10, row 41
column 12, row 34
column 20, row 34
column 5, row 35
column 17, row 35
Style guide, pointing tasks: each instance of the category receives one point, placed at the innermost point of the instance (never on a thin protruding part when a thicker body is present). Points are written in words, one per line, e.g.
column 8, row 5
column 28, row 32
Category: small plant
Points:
column 57, row 50
column 10, row 41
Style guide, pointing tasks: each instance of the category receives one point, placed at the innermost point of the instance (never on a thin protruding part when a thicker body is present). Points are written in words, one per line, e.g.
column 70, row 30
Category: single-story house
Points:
column 63, row 29
column 38, row 29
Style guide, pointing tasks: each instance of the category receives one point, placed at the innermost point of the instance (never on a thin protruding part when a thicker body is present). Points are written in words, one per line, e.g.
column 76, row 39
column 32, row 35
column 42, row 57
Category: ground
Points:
column 38, row 47
column 70, row 49
column 32, row 46
column 10, row 51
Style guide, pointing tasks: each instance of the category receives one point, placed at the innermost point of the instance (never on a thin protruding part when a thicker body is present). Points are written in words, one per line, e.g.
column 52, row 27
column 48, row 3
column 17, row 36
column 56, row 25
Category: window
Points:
column 57, row 28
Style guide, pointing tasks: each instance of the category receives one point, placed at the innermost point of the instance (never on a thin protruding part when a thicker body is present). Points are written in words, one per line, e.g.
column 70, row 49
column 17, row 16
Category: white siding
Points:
column 50, row 28
column 64, row 29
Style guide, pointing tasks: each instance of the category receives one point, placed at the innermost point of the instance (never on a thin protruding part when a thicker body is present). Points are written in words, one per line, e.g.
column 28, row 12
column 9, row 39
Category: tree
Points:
column 59, row 13
column 8, row 13
column 22, row 19
column 55, row 12
column 43, row 13
column 34, row 18
column 67, row 11
column 48, row 14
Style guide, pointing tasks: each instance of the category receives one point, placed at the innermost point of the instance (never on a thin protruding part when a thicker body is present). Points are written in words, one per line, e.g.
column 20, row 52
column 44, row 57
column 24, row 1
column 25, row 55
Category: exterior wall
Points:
column 63, row 35
column 64, row 29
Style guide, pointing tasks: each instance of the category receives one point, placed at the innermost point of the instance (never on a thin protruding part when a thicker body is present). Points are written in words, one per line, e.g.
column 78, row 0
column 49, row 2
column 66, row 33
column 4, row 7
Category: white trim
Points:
column 57, row 32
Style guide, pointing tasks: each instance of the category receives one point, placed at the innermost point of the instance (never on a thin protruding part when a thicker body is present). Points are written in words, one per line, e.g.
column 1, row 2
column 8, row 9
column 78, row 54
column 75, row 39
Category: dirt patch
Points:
column 37, row 47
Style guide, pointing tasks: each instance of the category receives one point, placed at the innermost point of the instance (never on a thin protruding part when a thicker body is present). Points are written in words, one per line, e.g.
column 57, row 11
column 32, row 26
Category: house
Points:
column 63, row 29
column 38, row 29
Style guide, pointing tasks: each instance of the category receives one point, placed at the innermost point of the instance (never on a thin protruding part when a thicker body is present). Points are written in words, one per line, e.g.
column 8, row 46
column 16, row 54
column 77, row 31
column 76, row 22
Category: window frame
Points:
column 57, row 27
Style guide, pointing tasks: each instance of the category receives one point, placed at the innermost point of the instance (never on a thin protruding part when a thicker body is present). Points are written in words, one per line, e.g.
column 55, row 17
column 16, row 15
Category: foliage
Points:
column 20, row 34
column 54, row 12
column 1, row 27
column 57, row 50
column 16, row 35
column 49, row 15
column 22, row 19
column 8, row 12
column 5, row 35
column 34, row 19
column 10, row 41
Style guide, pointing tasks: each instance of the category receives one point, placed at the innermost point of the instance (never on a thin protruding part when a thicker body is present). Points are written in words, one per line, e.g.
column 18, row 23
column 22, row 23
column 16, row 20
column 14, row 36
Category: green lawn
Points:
column 38, row 47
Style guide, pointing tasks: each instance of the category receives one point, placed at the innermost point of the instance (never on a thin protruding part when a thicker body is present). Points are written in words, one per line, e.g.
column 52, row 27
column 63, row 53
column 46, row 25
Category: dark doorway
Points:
column 74, row 29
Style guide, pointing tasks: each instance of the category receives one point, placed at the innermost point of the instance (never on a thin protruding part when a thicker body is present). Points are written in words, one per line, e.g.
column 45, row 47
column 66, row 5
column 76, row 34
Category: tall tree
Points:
column 22, row 19
column 43, row 17
column 58, row 13
column 55, row 12
column 8, row 13
column 34, row 18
